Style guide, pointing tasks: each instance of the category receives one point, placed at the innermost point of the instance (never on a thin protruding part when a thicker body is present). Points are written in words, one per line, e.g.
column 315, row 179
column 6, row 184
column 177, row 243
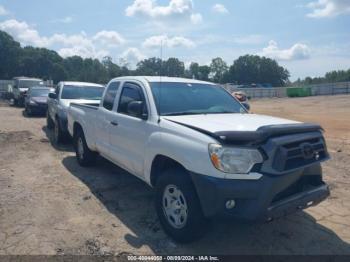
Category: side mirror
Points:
column 52, row 95
column 136, row 109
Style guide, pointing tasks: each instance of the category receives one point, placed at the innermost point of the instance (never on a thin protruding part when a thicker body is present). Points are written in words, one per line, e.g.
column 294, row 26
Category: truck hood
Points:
column 39, row 99
column 228, row 122
column 66, row 102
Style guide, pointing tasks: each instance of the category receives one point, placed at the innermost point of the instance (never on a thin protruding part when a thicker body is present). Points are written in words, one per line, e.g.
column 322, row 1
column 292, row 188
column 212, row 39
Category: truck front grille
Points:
column 299, row 154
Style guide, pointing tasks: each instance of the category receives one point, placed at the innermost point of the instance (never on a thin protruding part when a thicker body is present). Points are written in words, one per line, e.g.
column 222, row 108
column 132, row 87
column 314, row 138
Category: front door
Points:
column 129, row 135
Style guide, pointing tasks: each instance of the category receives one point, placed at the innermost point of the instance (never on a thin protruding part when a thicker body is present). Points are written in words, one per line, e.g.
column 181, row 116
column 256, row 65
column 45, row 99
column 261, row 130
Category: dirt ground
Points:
column 49, row 205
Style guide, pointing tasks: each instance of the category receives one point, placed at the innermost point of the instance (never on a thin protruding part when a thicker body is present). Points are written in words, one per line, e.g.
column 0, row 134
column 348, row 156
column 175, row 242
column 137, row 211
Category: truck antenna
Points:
column 160, row 81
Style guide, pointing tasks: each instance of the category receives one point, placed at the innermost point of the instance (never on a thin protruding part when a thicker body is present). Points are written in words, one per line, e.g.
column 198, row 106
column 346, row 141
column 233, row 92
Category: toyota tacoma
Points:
column 204, row 154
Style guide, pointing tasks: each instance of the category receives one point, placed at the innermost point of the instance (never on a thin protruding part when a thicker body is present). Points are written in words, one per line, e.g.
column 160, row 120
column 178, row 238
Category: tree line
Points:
column 49, row 65
column 330, row 77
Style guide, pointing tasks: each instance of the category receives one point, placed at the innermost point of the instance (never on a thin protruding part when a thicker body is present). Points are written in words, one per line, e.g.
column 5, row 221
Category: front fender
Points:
column 191, row 154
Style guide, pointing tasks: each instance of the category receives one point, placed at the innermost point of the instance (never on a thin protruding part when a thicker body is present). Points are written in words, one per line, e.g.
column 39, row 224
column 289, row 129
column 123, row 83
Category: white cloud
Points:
column 67, row 45
column 220, row 8
column 83, row 51
column 22, row 32
column 175, row 8
column 3, row 11
column 328, row 8
column 69, row 40
column 132, row 55
column 170, row 42
column 296, row 52
column 196, row 18
column 110, row 38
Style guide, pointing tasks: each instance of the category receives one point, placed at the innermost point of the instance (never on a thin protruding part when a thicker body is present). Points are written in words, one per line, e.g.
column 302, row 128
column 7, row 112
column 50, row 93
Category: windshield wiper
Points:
column 223, row 112
column 184, row 113
column 199, row 113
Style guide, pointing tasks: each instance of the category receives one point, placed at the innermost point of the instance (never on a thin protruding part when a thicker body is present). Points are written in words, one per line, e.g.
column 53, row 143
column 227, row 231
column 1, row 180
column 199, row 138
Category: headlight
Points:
column 31, row 102
column 234, row 160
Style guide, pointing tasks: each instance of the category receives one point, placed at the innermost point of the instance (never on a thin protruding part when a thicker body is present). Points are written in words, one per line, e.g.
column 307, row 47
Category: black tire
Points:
column 15, row 102
column 84, row 155
column 28, row 111
column 49, row 123
column 59, row 135
column 196, row 224
column 20, row 102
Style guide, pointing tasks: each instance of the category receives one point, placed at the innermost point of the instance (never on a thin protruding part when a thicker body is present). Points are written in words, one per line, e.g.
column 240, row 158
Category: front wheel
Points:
column 178, row 206
column 59, row 135
column 28, row 110
column 49, row 123
column 85, row 156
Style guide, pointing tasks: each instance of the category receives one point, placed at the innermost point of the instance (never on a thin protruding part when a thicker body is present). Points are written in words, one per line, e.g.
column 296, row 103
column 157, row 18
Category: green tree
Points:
column 203, row 73
column 218, row 69
column 250, row 69
column 74, row 67
column 10, row 52
column 149, row 67
column 58, row 73
column 173, row 67
column 330, row 77
column 193, row 71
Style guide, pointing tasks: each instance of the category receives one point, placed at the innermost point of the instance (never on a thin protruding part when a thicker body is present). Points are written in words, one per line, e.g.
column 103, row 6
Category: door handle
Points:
column 114, row 123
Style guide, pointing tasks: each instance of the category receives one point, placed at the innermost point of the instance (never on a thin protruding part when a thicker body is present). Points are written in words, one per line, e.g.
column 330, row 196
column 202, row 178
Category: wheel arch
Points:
column 77, row 127
column 161, row 163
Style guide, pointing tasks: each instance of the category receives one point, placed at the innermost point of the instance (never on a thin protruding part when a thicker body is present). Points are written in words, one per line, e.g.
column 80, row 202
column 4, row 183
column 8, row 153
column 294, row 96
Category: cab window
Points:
column 131, row 93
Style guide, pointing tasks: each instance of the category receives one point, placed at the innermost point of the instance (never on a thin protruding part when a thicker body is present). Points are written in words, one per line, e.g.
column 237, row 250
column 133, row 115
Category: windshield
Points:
column 29, row 83
column 82, row 92
column 191, row 99
column 39, row 92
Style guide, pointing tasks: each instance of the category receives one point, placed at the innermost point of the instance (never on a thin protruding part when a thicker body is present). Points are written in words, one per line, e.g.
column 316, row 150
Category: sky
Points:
column 308, row 37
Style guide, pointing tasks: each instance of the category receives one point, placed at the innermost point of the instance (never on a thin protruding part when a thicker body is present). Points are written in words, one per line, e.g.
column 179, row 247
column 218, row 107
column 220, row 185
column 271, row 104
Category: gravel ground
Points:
column 49, row 205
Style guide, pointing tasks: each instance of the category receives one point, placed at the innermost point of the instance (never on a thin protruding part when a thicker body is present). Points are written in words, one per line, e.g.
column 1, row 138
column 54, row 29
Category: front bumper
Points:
column 265, row 199
column 39, row 108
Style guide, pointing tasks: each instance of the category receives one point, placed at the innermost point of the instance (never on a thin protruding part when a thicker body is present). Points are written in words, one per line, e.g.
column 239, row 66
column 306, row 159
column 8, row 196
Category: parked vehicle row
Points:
column 196, row 144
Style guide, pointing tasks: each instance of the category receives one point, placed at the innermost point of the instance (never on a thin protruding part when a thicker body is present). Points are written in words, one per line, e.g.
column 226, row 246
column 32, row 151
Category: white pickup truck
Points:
column 59, row 101
column 204, row 154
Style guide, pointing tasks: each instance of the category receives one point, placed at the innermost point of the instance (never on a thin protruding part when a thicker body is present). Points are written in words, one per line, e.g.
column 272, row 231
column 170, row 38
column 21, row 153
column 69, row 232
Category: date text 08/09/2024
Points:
column 173, row 258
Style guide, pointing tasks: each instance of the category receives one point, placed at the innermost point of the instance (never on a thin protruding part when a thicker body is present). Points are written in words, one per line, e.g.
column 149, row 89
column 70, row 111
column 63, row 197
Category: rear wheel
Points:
column 178, row 206
column 85, row 156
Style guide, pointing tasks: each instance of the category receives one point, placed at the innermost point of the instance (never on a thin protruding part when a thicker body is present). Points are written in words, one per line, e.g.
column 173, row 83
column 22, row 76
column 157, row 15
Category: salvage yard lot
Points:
column 50, row 205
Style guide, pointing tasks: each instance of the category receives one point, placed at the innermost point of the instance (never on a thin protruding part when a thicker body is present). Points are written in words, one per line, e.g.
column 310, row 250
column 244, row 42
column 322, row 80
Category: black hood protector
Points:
column 259, row 136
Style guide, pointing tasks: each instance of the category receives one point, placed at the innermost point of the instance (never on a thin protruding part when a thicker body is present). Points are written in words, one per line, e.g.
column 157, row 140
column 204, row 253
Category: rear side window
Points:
column 110, row 95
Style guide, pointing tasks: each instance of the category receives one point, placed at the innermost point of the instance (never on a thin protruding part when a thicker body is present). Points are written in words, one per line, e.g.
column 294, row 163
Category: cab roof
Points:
column 165, row 79
column 27, row 78
column 73, row 83
column 40, row 87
